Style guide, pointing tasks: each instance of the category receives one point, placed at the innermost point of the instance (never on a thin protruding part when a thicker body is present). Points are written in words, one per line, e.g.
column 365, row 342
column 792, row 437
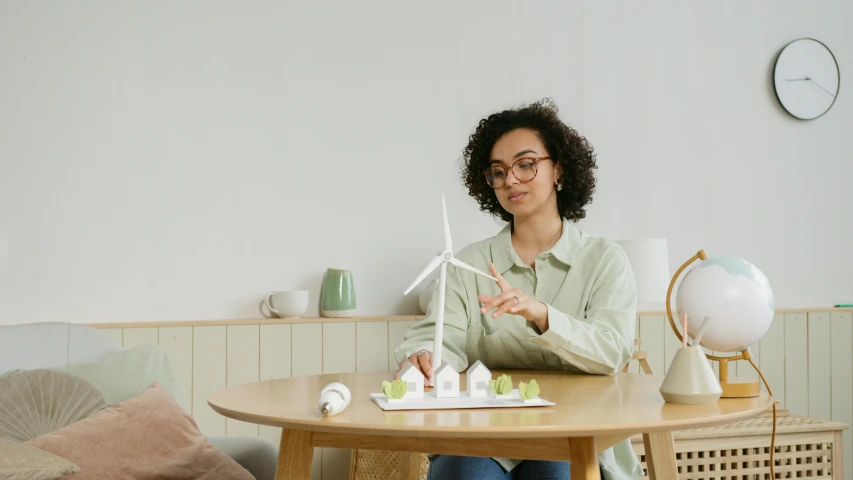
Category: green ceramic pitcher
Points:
column 337, row 296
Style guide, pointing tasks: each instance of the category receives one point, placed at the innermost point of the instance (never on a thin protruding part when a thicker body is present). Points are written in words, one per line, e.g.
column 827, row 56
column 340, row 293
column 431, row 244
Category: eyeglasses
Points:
column 524, row 169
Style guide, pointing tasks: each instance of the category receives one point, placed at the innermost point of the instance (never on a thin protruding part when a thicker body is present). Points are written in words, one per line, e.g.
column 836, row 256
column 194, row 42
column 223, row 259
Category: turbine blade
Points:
column 426, row 271
column 461, row 264
column 447, row 240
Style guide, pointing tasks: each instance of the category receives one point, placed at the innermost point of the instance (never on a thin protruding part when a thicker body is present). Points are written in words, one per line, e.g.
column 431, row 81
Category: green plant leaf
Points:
column 398, row 389
column 522, row 390
column 394, row 389
column 506, row 388
column 532, row 389
column 502, row 386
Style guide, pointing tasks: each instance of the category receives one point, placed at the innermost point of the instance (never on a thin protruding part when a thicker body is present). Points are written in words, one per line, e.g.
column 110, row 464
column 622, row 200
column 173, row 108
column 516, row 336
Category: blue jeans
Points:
column 449, row 467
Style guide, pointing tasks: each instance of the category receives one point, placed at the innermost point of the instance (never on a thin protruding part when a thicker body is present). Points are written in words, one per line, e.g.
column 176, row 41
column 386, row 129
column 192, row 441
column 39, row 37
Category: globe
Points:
column 737, row 297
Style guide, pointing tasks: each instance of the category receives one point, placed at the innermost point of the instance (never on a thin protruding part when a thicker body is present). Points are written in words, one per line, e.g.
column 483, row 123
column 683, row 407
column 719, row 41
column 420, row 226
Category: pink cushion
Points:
column 147, row 436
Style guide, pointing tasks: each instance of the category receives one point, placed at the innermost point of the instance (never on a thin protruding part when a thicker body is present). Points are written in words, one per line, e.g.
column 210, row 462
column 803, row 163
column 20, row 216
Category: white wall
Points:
column 176, row 160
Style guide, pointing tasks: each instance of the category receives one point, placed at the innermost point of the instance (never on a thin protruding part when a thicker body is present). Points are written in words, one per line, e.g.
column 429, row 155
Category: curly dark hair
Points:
column 564, row 145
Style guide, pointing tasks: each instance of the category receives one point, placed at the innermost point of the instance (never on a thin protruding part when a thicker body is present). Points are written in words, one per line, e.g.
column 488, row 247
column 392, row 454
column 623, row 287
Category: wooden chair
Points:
column 383, row 465
column 641, row 357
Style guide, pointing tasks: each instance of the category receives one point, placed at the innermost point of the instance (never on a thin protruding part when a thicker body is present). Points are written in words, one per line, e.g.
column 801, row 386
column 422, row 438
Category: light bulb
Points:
column 334, row 398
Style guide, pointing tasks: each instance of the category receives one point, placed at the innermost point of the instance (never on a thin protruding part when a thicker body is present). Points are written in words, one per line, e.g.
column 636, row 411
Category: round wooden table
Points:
column 592, row 413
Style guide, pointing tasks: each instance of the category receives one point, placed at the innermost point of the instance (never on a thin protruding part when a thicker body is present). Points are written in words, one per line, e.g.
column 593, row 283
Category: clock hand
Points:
column 797, row 79
column 820, row 87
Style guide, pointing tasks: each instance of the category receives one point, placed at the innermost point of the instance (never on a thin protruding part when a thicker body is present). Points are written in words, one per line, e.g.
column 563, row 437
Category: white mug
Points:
column 287, row 304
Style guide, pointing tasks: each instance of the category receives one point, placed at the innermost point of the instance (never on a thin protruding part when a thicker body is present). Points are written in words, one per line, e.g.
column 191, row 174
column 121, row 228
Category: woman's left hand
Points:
column 514, row 301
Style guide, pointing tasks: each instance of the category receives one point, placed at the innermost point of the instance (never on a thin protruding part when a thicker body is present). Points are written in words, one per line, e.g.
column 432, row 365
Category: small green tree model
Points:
column 394, row 389
column 528, row 391
column 502, row 385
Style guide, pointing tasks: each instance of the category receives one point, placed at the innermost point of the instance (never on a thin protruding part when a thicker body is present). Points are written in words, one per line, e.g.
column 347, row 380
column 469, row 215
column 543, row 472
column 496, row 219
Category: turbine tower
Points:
column 443, row 258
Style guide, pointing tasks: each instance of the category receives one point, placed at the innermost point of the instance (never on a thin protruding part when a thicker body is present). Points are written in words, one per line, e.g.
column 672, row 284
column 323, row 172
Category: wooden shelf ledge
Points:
column 259, row 321
column 357, row 319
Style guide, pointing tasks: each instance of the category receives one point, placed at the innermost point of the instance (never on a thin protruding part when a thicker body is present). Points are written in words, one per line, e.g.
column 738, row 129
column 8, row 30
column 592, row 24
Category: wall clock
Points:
column 806, row 78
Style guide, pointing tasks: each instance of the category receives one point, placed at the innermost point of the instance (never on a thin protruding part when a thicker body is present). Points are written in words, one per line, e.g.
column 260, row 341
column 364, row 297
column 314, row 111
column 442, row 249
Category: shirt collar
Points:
column 565, row 250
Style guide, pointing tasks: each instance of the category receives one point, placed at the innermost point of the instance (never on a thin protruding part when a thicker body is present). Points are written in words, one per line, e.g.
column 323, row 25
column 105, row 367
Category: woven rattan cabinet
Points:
column 805, row 448
column 381, row 465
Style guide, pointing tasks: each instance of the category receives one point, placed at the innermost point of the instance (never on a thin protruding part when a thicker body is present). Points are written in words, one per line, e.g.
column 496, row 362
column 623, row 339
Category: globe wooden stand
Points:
column 732, row 387
column 735, row 387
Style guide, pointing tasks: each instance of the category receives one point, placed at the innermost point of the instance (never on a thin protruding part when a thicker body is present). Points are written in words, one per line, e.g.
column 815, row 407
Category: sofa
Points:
column 52, row 344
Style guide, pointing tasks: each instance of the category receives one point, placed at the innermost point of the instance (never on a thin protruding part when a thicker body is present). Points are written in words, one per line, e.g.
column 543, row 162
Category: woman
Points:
column 563, row 299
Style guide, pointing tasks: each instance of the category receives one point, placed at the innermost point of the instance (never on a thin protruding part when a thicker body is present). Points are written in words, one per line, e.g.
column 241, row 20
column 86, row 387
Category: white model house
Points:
column 478, row 377
column 446, row 381
column 414, row 381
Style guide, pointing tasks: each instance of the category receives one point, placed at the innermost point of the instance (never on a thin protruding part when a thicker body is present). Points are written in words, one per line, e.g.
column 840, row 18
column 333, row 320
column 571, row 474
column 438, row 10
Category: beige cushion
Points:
column 148, row 436
column 34, row 402
column 19, row 461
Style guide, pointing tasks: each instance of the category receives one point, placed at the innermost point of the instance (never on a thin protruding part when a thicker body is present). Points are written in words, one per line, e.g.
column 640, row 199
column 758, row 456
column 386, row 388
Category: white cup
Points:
column 287, row 304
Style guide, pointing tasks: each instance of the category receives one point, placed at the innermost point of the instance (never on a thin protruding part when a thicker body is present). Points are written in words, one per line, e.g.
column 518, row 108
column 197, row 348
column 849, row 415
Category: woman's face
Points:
column 520, row 148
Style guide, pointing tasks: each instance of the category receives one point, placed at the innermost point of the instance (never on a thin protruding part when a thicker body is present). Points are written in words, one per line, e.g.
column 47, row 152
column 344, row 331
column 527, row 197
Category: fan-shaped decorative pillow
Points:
column 35, row 402
column 19, row 461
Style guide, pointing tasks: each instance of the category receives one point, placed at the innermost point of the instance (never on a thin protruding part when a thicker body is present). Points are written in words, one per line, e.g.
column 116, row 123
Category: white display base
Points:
column 431, row 402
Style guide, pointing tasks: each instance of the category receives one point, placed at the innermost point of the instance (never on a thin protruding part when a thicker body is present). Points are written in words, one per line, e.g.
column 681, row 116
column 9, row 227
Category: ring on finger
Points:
column 517, row 299
column 421, row 352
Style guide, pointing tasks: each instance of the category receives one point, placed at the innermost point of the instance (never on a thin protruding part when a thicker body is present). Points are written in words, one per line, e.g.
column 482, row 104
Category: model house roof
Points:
column 410, row 372
column 478, row 369
column 445, row 369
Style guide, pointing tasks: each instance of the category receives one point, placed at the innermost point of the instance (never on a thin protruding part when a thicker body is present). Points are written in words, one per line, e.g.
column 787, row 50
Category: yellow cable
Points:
column 773, row 435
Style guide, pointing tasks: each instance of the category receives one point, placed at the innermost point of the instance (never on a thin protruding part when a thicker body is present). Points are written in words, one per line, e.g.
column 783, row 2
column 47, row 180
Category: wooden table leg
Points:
column 410, row 466
column 294, row 455
column 584, row 464
column 660, row 455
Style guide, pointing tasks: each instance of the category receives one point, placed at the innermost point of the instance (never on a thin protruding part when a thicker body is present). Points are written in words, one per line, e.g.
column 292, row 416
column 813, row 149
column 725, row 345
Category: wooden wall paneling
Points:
column 773, row 357
column 275, row 356
column 178, row 343
column 396, row 335
column 841, row 351
column 138, row 336
column 670, row 346
column 744, row 369
column 242, row 365
column 819, row 365
column 115, row 333
column 307, row 349
column 371, row 351
column 209, row 373
column 338, row 347
column 275, row 362
column 796, row 357
column 652, row 336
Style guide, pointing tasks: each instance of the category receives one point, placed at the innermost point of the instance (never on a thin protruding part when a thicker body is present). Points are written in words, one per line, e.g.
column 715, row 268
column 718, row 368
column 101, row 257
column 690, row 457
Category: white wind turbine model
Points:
column 442, row 258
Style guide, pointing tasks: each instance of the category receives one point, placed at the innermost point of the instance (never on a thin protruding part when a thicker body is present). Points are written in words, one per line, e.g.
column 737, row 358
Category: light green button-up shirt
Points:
column 589, row 288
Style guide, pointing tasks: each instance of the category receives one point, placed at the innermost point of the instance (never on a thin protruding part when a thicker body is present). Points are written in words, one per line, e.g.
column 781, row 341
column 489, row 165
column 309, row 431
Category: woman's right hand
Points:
column 422, row 360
